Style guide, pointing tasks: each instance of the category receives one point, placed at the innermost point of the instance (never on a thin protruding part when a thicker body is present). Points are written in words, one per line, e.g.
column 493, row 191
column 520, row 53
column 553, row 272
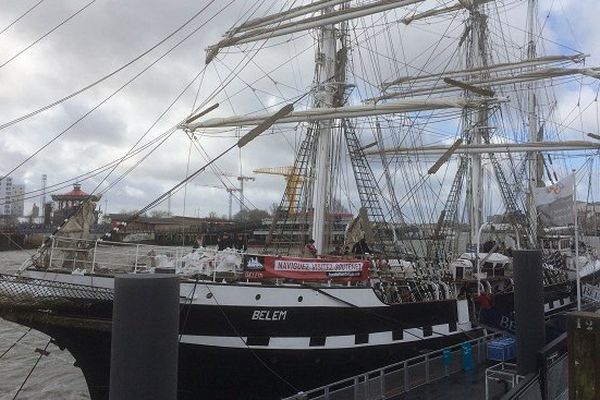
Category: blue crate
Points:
column 502, row 349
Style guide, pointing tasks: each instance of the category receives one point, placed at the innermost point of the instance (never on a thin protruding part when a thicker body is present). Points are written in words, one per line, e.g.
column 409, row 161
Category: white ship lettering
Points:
column 268, row 315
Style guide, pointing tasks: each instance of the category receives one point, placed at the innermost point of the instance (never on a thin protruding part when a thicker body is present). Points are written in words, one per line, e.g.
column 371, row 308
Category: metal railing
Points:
column 553, row 366
column 93, row 256
column 552, row 379
column 528, row 389
column 501, row 372
column 400, row 377
column 556, row 382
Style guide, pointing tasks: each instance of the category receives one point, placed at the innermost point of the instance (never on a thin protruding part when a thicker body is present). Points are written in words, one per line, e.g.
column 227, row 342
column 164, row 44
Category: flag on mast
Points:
column 554, row 203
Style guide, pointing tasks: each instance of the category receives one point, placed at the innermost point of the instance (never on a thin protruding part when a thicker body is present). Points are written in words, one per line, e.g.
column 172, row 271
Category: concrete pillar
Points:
column 144, row 344
column 529, row 308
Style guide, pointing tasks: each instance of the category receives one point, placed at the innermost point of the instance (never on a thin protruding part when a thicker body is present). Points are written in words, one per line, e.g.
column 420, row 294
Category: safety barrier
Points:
column 403, row 376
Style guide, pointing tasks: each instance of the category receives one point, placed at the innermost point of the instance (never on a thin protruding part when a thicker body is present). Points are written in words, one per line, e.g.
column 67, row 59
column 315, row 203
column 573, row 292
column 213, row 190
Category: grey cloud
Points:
column 111, row 32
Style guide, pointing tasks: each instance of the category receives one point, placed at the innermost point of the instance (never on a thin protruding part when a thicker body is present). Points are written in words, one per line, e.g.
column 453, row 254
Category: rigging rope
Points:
column 83, row 177
column 33, row 349
column 39, row 150
column 105, row 77
column 46, row 34
column 21, row 16
column 237, row 333
column 16, row 342
column 187, row 171
column 12, row 241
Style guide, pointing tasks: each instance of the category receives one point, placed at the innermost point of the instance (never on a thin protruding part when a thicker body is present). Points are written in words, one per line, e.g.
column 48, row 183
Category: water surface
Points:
column 55, row 377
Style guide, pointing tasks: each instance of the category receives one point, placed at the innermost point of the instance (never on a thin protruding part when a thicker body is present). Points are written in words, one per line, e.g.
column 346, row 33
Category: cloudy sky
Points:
column 61, row 46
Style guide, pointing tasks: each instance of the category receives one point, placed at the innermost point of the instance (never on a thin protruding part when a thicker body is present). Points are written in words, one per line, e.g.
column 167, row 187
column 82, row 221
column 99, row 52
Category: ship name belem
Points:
column 268, row 315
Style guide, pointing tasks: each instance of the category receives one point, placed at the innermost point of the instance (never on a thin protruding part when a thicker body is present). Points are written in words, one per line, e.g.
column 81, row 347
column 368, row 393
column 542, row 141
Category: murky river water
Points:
column 55, row 377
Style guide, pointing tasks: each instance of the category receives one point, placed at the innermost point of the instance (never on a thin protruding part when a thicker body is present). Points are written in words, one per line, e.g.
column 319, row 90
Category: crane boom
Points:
column 282, row 171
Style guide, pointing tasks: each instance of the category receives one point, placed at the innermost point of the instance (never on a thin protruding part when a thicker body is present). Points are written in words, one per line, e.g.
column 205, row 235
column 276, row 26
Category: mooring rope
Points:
column 15, row 343
column 24, row 346
column 43, row 352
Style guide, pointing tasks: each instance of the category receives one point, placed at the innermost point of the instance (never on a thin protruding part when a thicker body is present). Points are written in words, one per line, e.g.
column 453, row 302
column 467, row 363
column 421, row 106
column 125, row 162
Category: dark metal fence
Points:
column 552, row 380
column 400, row 377
column 553, row 364
column 528, row 389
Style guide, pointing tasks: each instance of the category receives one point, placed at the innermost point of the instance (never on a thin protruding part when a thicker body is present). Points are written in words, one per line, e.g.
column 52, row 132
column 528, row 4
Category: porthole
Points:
column 300, row 298
column 209, row 295
column 257, row 297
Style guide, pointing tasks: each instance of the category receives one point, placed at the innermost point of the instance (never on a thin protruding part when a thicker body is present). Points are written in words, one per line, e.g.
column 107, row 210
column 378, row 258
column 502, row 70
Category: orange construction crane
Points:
column 292, row 181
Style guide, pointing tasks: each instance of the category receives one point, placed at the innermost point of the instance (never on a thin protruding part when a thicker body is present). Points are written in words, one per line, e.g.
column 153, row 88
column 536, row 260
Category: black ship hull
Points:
column 293, row 339
column 557, row 299
column 210, row 372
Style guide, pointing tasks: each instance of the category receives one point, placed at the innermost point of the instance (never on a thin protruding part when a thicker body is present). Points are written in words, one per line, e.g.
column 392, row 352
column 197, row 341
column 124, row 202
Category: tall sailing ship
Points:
column 272, row 324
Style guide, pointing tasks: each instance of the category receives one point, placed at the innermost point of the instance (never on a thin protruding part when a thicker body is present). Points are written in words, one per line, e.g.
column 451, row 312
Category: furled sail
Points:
column 327, row 113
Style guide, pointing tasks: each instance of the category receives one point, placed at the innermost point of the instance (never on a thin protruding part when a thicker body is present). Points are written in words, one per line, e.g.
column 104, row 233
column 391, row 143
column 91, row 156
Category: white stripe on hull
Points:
column 331, row 342
column 556, row 304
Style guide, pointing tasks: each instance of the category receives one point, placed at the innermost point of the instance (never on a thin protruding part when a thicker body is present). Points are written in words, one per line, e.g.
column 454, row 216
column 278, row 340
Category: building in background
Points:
column 43, row 197
column 68, row 203
column 35, row 212
column 12, row 198
column 18, row 203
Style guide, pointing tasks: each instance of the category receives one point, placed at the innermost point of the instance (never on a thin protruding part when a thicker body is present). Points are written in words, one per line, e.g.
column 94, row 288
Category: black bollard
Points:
column 529, row 308
column 144, row 344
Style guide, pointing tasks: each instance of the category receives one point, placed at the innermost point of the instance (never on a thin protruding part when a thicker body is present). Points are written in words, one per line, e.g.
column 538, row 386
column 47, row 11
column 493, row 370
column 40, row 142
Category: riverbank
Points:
column 20, row 241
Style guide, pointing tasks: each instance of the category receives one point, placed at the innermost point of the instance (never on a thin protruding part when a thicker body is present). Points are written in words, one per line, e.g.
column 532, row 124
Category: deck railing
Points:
column 551, row 382
column 403, row 376
column 91, row 256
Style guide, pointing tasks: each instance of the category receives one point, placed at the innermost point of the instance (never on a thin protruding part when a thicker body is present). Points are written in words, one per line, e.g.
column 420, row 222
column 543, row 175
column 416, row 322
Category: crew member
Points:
column 310, row 248
column 198, row 243
column 224, row 242
column 240, row 243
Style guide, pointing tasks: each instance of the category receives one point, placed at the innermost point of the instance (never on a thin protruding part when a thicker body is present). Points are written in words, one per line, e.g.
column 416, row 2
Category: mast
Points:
column 535, row 162
column 324, row 98
column 477, row 57
column 328, row 114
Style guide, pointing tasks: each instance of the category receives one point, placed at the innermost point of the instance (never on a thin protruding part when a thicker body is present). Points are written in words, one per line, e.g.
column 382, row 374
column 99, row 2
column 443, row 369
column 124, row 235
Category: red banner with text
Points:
column 305, row 269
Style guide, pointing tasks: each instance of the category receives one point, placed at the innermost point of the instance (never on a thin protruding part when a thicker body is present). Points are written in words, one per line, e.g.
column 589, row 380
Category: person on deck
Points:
column 240, row 243
column 225, row 242
column 198, row 243
column 310, row 248
column 361, row 248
